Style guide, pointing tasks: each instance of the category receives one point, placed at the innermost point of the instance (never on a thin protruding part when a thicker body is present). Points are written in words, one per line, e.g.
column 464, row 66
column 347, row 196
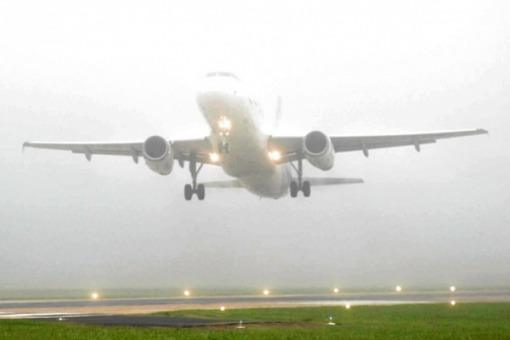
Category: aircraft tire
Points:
column 188, row 192
column 306, row 189
column 293, row 189
column 200, row 192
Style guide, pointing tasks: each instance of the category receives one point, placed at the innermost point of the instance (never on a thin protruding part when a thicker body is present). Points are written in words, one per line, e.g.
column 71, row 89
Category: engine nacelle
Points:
column 158, row 155
column 319, row 150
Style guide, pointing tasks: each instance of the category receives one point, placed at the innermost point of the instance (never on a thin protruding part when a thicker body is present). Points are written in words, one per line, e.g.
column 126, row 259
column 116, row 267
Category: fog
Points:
column 125, row 70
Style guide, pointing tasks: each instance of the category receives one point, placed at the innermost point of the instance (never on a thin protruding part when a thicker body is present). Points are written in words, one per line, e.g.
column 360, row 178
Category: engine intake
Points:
column 319, row 150
column 158, row 155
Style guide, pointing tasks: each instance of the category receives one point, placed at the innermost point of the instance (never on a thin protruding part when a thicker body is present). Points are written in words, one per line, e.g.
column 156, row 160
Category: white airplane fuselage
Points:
column 247, row 156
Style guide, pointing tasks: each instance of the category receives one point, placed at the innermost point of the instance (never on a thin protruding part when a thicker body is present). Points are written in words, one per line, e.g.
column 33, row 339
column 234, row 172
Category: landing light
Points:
column 187, row 293
column 224, row 124
column 453, row 303
column 222, row 308
column 94, row 295
column 214, row 157
column 266, row 292
column 452, row 289
column 347, row 306
column 398, row 289
column 336, row 290
column 274, row 155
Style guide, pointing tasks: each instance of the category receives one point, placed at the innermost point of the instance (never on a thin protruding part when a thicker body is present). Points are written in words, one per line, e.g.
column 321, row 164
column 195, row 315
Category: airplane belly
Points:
column 246, row 156
column 274, row 185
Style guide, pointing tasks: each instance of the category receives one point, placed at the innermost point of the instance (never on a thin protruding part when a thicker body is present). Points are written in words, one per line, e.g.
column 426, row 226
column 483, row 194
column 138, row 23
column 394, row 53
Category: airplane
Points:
column 266, row 165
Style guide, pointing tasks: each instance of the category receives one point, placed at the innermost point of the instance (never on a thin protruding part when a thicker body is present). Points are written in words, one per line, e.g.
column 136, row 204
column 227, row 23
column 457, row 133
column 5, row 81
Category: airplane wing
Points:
column 184, row 150
column 292, row 147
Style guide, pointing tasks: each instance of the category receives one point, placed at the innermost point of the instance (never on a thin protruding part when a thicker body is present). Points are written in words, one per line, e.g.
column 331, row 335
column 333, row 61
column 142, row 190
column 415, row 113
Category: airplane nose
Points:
column 212, row 102
column 208, row 99
column 216, row 85
column 219, row 94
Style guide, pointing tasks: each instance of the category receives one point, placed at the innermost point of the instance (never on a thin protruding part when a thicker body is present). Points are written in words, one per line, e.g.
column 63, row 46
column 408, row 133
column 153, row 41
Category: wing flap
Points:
column 292, row 147
column 133, row 149
column 356, row 143
column 184, row 150
column 123, row 148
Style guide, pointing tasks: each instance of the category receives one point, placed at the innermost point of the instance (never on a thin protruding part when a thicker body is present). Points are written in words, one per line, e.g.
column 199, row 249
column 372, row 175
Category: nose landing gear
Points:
column 224, row 127
column 194, row 188
column 299, row 185
column 224, row 146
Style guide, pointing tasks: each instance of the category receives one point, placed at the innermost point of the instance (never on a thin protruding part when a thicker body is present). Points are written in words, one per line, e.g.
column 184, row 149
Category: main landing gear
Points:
column 193, row 188
column 299, row 185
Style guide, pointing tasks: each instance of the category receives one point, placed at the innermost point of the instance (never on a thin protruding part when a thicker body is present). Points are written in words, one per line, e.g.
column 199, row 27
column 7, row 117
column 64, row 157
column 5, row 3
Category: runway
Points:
column 74, row 308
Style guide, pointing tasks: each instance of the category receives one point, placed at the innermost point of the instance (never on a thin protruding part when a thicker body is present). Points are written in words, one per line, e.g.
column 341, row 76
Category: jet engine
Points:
column 319, row 150
column 158, row 155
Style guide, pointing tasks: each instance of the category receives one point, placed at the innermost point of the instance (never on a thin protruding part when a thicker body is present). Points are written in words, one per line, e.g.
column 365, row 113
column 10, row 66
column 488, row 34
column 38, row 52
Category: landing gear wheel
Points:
column 299, row 185
column 200, row 191
column 190, row 189
column 293, row 189
column 188, row 192
column 306, row 189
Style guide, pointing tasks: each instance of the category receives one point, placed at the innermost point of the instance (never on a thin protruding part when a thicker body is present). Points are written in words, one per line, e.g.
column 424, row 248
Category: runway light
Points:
column 187, row 293
column 347, row 306
column 94, row 295
column 222, row 308
column 452, row 289
column 336, row 290
column 453, row 303
column 274, row 155
column 214, row 157
column 266, row 292
column 398, row 289
column 331, row 323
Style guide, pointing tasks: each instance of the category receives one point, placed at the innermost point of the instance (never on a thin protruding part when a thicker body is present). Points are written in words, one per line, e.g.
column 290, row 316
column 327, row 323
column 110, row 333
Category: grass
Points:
column 434, row 321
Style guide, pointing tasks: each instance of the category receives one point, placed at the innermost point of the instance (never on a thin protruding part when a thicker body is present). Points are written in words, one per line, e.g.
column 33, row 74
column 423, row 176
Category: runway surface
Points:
column 74, row 308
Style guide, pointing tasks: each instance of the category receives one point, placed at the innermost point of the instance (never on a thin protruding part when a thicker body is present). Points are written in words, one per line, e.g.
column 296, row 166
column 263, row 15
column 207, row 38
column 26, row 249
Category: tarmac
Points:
column 133, row 311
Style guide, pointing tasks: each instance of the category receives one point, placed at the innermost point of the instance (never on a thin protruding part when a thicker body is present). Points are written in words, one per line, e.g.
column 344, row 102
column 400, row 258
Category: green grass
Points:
column 435, row 321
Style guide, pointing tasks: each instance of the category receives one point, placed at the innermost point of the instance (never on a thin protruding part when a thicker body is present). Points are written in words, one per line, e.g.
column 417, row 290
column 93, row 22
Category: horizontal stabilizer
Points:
column 314, row 181
column 223, row 184
column 317, row 181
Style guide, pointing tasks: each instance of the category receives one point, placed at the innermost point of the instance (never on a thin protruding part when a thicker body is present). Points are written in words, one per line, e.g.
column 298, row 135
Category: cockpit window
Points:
column 222, row 82
column 222, row 74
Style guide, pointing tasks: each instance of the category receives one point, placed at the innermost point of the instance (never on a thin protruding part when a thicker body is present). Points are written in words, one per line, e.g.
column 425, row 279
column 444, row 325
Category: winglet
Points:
column 25, row 144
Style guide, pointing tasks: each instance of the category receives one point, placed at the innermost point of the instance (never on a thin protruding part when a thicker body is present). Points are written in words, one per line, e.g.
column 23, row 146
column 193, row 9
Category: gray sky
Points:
column 117, row 70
